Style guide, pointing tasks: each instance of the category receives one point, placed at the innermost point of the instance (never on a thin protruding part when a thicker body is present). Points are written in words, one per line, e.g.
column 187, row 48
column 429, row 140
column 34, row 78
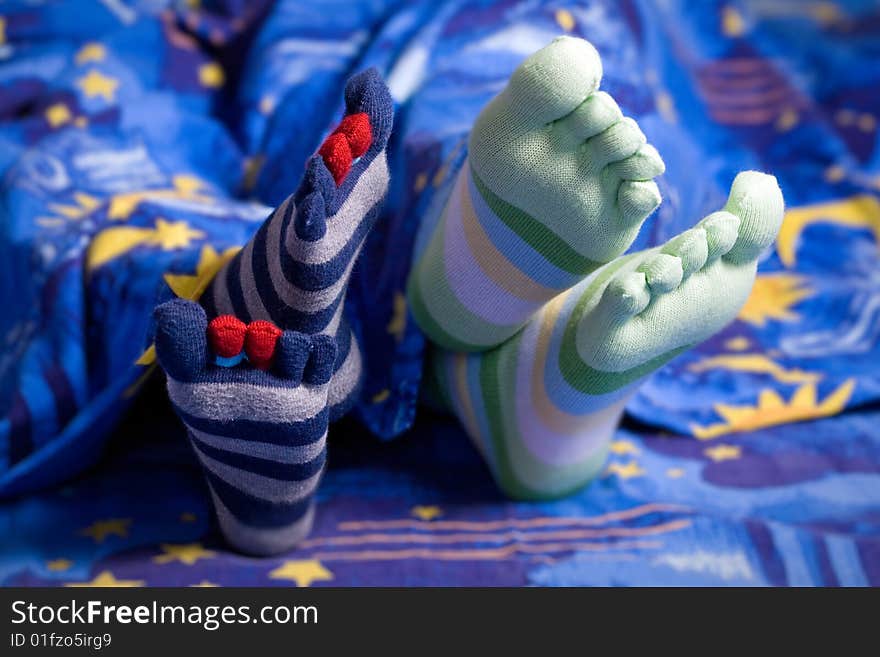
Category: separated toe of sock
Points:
column 756, row 199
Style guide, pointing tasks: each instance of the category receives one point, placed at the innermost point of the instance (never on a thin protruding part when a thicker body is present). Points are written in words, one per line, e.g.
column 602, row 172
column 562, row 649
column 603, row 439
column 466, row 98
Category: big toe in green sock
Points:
column 561, row 152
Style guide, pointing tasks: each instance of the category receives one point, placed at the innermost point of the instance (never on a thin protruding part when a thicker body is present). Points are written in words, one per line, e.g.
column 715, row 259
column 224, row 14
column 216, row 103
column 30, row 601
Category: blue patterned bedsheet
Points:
column 142, row 142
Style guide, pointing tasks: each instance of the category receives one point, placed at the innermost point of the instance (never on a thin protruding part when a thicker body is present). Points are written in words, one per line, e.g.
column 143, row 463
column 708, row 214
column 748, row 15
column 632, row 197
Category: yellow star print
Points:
column 861, row 212
column 397, row 325
column 771, row 410
column 772, row 297
column 722, row 452
column 426, row 512
column 381, row 396
column 101, row 529
column 626, row 471
column 757, row 364
column 623, row 447
column 787, row 120
column 184, row 187
column 189, row 286
column 187, row 553
column 95, row 84
column 738, row 343
column 565, row 19
column 57, row 565
column 114, row 242
column 174, row 235
column 732, row 23
column 252, row 167
column 204, row 584
column 267, row 104
column 421, row 181
column 302, row 572
column 57, row 114
column 91, row 52
column 675, row 473
column 106, row 578
column 211, row 75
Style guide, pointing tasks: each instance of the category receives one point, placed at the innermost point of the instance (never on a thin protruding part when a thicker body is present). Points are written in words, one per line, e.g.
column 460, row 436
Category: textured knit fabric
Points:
column 256, row 398
column 294, row 272
column 260, row 435
column 557, row 183
column 542, row 407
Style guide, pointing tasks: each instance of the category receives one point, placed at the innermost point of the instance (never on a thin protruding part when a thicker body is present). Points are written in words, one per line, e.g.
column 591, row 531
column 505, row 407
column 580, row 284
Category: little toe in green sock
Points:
column 557, row 183
column 542, row 407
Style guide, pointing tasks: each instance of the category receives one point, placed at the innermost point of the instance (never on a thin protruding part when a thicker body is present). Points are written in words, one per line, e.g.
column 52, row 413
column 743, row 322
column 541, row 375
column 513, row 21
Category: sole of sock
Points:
column 543, row 406
column 260, row 434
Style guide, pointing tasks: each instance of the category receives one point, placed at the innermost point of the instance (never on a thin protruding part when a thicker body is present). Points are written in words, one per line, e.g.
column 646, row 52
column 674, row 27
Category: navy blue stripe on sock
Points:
column 241, row 373
column 338, row 410
column 281, row 313
column 254, row 511
column 260, row 271
column 296, row 434
column 233, row 286
column 207, row 298
column 21, row 441
column 343, row 344
column 260, row 258
column 261, row 466
column 313, row 277
column 310, row 322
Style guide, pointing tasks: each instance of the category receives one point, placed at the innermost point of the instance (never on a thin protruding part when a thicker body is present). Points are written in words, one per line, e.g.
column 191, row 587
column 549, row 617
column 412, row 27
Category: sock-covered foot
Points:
column 295, row 270
column 557, row 183
column 254, row 401
column 543, row 406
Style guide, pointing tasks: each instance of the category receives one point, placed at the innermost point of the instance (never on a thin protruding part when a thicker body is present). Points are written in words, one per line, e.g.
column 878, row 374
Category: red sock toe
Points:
column 226, row 335
column 259, row 343
column 337, row 156
column 357, row 130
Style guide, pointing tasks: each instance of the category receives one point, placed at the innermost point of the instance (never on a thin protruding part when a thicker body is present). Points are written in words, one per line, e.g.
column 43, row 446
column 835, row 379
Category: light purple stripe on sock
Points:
column 268, row 451
column 261, row 541
column 265, row 488
column 470, row 284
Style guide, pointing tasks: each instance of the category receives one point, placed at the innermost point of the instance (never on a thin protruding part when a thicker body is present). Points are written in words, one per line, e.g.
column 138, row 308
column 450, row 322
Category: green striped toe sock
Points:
column 541, row 329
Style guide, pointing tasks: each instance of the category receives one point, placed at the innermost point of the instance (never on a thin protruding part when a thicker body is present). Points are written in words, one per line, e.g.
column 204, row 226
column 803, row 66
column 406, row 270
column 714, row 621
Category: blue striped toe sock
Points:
column 259, row 435
column 257, row 385
column 295, row 271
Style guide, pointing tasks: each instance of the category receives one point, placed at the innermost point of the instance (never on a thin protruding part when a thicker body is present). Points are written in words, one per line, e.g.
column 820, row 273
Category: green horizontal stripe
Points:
column 440, row 313
column 535, row 234
column 496, row 378
column 425, row 321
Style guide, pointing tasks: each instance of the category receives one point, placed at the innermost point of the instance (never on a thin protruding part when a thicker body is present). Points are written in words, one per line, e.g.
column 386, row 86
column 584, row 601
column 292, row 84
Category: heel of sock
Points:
column 345, row 387
column 537, row 446
column 263, row 492
column 546, row 487
column 263, row 541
